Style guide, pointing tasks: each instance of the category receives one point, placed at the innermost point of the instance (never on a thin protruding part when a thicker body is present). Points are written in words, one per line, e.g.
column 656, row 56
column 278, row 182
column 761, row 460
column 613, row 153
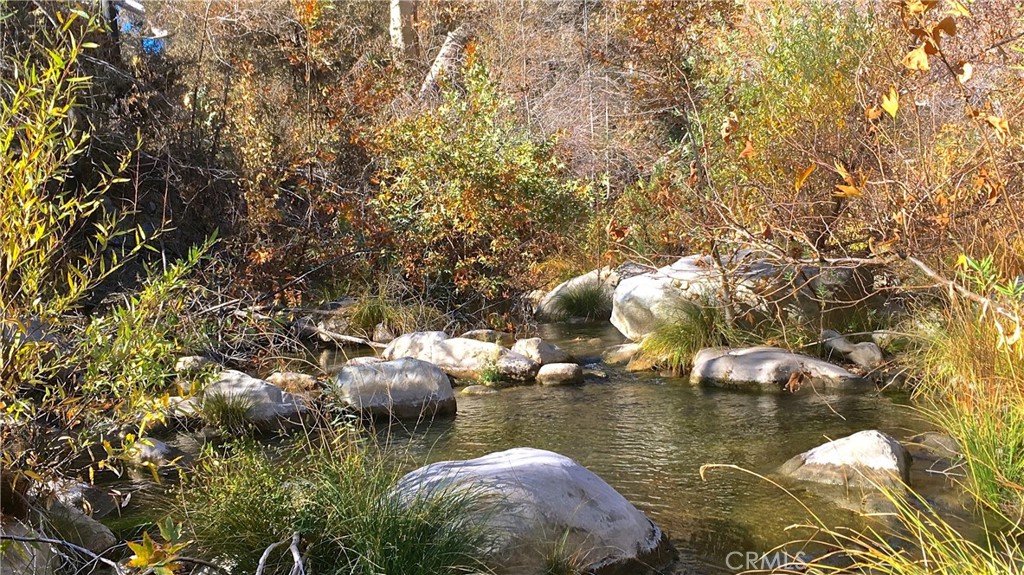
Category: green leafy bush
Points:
column 470, row 197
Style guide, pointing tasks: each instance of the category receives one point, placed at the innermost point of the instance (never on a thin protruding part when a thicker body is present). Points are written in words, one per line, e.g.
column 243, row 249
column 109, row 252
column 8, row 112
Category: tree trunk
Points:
column 447, row 65
column 403, row 35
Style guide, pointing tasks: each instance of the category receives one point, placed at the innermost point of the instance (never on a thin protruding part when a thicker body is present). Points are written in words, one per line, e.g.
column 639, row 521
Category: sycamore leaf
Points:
column 145, row 552
column 1001, row 125
column 846, row 192
column 845, row 175
column 891, row 101
column 748, row 149
column 947, row 25
column 917, row 59
column 692, row 179
column 965, row 73
column 802, row 177
column 873, row 113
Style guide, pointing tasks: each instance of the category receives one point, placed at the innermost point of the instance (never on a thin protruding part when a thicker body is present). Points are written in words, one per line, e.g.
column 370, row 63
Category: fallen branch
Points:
column 309, row 329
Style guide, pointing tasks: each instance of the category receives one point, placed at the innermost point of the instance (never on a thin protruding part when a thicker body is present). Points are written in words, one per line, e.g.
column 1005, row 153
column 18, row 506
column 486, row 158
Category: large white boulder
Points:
column 549, row 307
column 643, row 302
column 403, row 388
column 768, row 368
column 464, row 358
column 864, row 459
column 267, row 401
column 541, row 500
column 540, row 351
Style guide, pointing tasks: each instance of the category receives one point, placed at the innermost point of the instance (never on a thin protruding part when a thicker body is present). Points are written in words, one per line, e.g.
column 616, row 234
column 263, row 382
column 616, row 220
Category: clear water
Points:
column 648, row 437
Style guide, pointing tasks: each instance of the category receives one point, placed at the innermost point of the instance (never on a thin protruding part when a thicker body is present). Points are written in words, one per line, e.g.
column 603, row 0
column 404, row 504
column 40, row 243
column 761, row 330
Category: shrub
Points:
column 470, row 197
column 341, row 501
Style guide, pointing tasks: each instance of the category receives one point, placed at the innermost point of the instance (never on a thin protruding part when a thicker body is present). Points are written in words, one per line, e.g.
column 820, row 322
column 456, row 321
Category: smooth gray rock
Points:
column 153, row 452
column 75, row 527
column 267, row 401
column 620, row 354
column 192, row 364
column 83, row 497
column 866, row 355
column 464, row 358
column 865, row 459
column 415, row 344
column 382, row 333
column 403, row 389
column 501, row 338
column 540, row 500
column 541, row 351
column 767, row 368
column 477, row 390
column 18, row 558
column 560, row 374
column 365, row 360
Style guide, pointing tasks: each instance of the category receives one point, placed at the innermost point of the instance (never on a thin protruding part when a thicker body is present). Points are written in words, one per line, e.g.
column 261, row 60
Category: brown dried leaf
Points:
column 802, row 177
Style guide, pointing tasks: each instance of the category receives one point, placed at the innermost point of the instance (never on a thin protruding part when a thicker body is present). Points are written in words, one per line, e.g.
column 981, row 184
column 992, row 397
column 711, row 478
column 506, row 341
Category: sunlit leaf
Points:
column 846, row 192
column 748, row 149
column 843, row 173
column 802, row 177
column 965, row 73
column 957, row 8
column 917, row 59
column 891, row 101
column 873, row 113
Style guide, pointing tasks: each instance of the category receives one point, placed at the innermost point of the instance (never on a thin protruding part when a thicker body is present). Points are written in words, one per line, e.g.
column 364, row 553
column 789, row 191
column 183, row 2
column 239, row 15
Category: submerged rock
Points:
column 768, row 368
column 866, row 355
column 620, row 354
column 546, row 504
column 75, row 527
column 541, row 351
column 864, row 459
column 403, row 389
column 477, row 390
column 560, row 374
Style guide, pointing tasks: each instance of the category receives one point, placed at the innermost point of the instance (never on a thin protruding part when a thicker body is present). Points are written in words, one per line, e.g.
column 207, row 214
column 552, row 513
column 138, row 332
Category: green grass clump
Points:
column 341, row 502
column 673, row 344
column 975, row 391
column 399, row 316
column 589, row 301
column 228, row 412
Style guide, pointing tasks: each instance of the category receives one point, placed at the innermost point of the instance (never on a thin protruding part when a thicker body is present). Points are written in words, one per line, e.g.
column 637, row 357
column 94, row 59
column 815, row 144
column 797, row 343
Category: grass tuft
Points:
column 694, row 327
column 342, row 503
column 228, row 412
column 589, row 301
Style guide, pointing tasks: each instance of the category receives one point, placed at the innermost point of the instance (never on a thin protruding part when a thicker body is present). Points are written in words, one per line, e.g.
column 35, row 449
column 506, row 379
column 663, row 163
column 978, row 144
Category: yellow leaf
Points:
column 917, row 59
column 965, row 73
column 841, row 170
column 1001, row 125
column 918, row 6
column 891, row 101
column 844, row 191
column 802, row 177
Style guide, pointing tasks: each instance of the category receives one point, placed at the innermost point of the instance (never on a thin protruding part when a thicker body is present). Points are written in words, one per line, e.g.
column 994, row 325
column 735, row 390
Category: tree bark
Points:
column 403, row 34
column 447, row 65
